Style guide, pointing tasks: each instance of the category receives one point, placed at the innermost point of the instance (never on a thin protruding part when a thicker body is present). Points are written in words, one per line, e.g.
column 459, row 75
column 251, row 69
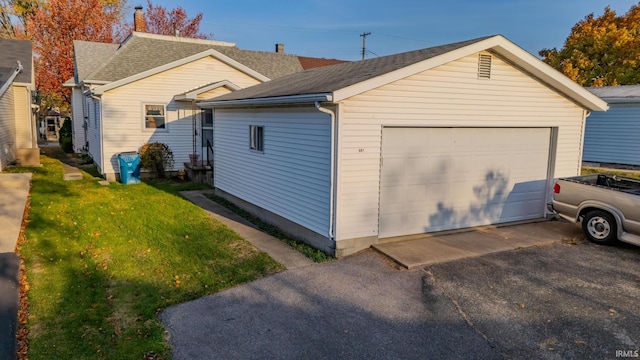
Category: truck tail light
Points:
column 556, row 188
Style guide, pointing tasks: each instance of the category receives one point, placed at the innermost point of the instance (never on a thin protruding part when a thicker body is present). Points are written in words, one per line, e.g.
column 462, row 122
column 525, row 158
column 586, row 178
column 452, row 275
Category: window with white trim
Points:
column 256, row 137
column 154, row 116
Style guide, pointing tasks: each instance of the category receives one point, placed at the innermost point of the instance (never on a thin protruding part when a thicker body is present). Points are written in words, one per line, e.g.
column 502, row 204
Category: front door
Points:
column 207, row 136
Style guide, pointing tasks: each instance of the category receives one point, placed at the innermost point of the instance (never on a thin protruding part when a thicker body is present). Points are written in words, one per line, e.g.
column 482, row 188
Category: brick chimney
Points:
column 280, row 48
column 138, row 20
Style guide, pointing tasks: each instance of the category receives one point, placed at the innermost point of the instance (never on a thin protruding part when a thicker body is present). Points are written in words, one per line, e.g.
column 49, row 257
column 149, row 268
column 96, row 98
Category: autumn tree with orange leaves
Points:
column 163, row 22
column 601, row 51
column 53, row 27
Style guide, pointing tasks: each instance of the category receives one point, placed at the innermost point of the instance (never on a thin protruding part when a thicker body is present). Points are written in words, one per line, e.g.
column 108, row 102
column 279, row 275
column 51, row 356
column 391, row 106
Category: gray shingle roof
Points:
column 142, row 52
column 5, row 75
column 13, row 50
column 335, row 77
column 620, row 92
column 88, row 56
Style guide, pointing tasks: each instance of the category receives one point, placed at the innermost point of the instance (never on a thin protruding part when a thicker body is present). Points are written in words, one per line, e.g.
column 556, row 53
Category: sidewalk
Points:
column 14, row 192
column 281, row 252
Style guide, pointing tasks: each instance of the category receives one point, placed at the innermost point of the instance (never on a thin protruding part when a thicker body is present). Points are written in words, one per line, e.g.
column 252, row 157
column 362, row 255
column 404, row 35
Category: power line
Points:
column 369, row 51
column 364, row 41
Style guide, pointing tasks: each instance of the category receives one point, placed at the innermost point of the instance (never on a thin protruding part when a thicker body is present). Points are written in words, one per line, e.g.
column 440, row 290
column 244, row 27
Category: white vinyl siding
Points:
column 123, row 128
column 613, row 136
column 450, row 95
column 7, row 128
column 22, row 107
column 291, row 176
column 77, row 120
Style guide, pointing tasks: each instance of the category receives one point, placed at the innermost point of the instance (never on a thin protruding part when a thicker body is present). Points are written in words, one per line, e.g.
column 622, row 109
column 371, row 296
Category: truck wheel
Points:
column 600, row 227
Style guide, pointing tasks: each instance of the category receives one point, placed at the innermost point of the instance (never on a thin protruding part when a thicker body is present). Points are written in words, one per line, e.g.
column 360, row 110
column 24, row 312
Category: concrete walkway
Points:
column 278, row 250
column 14, row 192
column 437, row 248
column 71, row 172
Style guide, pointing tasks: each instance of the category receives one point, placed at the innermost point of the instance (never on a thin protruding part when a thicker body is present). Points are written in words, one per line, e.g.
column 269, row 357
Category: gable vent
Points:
column 484, row 66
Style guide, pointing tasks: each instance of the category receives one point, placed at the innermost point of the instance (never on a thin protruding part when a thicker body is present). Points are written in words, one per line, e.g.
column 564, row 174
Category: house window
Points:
column 207, row 127
column 154, row 116
column 256, row 137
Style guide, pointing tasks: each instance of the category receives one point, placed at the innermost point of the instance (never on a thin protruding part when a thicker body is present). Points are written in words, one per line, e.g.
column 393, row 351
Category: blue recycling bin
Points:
column 129, row 167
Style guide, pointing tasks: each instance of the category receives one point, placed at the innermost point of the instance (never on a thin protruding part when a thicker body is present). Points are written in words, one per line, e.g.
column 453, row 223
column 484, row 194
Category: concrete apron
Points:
column 430, row 249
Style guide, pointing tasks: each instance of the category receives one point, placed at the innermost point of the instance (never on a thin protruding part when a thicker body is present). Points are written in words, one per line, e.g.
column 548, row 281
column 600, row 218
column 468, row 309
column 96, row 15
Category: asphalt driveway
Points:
column 549, row 302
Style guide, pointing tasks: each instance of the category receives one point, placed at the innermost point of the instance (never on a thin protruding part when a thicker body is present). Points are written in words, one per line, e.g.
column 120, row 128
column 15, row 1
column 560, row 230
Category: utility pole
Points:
column 364, row 41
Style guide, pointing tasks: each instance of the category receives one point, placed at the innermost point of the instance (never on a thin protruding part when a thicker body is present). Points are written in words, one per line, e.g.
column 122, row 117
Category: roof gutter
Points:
column 12, row 77
column 332, row 166
column 96, row 82
column 277, row 100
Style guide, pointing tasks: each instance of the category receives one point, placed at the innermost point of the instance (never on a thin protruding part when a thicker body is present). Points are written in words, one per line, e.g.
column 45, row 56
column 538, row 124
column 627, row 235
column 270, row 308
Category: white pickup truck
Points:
column 607, row 205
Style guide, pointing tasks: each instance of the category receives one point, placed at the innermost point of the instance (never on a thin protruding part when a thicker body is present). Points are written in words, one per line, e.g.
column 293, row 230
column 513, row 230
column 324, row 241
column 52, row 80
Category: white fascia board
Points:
column 23, row 84
column 412, row 69
column 193, row 95
column 213, row 53
column 278, row 100
column 95, row 82
column 501, row 46
column 69, row 83
column 549, row 75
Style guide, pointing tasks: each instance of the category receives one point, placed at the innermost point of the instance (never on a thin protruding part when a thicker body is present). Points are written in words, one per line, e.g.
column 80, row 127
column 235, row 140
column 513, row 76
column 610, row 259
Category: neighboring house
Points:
column 311, row 62
column 146, row 89
column 50, row 125
column 613, row 137
column 18, row 133
column 355, row 154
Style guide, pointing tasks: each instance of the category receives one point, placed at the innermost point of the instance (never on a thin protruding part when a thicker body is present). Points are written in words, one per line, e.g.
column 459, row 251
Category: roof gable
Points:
column 194, row 93
column 143, row 52
column 14, row 51
column 88, row 56
column 213, row 53
column 342, row 81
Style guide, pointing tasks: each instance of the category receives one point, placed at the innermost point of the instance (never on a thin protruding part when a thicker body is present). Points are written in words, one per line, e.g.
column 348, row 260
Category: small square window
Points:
column 256, row 137
column 154, row 116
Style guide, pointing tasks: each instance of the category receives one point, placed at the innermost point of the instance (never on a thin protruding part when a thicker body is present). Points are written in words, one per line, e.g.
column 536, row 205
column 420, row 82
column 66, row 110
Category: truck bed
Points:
column 627, row 185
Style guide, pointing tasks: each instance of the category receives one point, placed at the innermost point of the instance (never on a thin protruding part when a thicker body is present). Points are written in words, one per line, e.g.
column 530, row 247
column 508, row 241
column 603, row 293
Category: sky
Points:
column 332, row 28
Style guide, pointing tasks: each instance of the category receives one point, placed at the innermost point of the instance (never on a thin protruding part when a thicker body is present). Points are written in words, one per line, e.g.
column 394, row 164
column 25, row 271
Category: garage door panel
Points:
column 461, row 177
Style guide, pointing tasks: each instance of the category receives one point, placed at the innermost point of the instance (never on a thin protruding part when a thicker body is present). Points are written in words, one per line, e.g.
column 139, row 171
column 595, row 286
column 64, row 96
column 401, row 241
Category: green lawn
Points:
column 102, row 261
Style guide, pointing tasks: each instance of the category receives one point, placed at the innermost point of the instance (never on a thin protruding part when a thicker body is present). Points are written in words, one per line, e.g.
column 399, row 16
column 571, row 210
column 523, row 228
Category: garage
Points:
column 369, row 152
column 435, row 179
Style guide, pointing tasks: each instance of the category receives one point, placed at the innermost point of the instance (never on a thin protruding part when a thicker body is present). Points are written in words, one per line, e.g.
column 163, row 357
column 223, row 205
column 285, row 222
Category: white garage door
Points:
column 436, row 179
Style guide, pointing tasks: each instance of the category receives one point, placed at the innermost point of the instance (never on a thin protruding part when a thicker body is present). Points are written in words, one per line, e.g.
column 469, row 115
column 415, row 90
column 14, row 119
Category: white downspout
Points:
column 100, row 139
column 332, row 165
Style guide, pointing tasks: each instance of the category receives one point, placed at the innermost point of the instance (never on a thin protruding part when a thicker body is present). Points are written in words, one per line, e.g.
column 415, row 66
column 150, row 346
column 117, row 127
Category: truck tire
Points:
column 600, row 227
